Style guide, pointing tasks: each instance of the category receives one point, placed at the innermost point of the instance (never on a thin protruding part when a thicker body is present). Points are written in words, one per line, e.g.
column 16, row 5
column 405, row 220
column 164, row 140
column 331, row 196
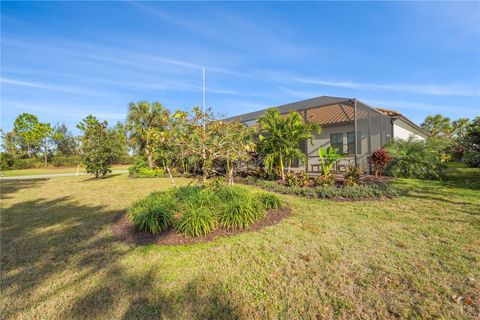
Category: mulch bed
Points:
column 124, row 231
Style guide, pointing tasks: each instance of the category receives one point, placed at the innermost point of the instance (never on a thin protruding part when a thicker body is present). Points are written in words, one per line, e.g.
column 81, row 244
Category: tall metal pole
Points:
column 203, row 70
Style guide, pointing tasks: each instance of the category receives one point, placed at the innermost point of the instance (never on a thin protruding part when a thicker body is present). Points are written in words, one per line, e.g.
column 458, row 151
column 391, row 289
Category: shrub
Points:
column 472, row 159
column 379, row 160
column 154, row 213
column 328, row 180
column 327, row 158
column 269, row 201
column 413, row 159
column 65, row 161
column 239, row 214
column 297, row 179
column 352, row 176
column 232, row 193
column 138, row 164
column 6, row 161
column 28, row 163
column 197, row 221
column 329, row 191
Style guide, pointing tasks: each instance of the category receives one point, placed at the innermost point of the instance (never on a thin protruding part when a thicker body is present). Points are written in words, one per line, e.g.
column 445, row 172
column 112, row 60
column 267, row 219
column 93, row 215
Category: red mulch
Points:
column 124, row 231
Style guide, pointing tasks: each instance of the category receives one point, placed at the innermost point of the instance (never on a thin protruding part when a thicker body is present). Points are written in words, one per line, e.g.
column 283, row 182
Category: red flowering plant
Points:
column 380, row 159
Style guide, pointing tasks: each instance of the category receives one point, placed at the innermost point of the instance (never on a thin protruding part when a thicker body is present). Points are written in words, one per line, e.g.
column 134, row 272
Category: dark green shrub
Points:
column 414, row 159
column 6, row 161
column 472, row 159
column 137, row 165
column 64, row 161
column 269, row 201
column 28, row 163
column 197, row 221
column 154, row 213
column 232, row 193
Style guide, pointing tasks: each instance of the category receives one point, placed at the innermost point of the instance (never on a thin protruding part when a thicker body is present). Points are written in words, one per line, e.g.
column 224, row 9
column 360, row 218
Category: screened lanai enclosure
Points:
column 348, row 125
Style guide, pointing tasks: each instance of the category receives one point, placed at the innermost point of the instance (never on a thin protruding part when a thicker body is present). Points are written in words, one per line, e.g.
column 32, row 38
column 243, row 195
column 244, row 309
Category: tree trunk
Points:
column 289, row 165
column 282, row 171
column 230, row 176
column 204, row 157
column 170, row 174
column 46, row 153
column 150, row 159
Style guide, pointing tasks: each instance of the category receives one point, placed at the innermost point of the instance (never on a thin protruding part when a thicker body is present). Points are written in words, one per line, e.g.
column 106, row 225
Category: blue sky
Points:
column 64, row 60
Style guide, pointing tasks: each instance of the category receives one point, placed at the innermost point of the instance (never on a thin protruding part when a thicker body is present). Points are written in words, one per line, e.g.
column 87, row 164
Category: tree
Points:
column 97, row 146
column 281, row 138
column 119, row 142
column 64, row 141
column 141, row 118
column 234, row 144
column 44, row 132
column 438, row 125
column 472, row 142
column 9, row 143
column 25, row 128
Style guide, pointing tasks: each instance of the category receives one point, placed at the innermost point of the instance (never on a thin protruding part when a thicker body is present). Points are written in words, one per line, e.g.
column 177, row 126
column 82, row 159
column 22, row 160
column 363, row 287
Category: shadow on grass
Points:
column 43, row 241
column 7, row 187
column 108, row 176
column 197, row 300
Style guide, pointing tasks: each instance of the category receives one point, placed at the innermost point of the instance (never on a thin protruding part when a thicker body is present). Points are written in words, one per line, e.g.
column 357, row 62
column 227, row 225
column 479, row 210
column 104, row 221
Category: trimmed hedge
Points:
column 327, row 192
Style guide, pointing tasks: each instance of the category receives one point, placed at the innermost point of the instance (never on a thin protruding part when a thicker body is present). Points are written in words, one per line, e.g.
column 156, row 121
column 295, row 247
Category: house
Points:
column 351, row 126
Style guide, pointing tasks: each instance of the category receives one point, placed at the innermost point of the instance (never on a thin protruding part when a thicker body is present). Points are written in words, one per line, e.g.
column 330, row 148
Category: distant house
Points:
column 349, row 125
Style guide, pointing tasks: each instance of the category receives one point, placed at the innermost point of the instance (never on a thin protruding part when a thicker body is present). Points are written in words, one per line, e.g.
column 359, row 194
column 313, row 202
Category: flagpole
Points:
column 203, row 70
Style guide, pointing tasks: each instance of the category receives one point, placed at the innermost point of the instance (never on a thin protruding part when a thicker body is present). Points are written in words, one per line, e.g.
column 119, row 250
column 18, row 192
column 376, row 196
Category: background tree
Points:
column 437, row 125
column 472, row 142
column 44, row 132
column 65, row 143
column 119, row 142
column 25, row 128
column 141, row 118
column 97, row 146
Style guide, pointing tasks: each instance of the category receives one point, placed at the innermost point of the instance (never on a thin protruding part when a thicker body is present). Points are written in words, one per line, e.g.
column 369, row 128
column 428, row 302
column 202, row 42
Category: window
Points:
column 351, row 142
column 336, row 141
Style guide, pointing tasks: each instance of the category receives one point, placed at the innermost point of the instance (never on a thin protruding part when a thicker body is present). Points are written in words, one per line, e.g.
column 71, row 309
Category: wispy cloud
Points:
column 428, row 89
column 47, row 86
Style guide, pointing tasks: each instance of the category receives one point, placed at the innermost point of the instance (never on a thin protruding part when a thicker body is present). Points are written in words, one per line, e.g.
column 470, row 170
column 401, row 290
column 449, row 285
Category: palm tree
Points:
column 282, row 138
column 142, row 118
column 437, row 125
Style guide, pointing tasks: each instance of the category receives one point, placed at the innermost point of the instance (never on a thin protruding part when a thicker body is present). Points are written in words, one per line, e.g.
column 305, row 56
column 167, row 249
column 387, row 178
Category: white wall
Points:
column 402, row 133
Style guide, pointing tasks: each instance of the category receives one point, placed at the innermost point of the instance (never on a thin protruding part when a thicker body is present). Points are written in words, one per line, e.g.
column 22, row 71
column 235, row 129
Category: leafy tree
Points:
column 142, row 117
column 281, row 138
column 64, row 141
column 328, row 157
column 234, row 144
column 25, row 128
column 97, row 146
column 120, row 141
column 472, row 142
column 44, row 133
column 9, row 143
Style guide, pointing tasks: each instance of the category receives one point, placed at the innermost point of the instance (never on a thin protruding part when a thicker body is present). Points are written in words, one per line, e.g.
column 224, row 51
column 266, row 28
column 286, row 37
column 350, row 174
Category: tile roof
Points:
column 389, row 113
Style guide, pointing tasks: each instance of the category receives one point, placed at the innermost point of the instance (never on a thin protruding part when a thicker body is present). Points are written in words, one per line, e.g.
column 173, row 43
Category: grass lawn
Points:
column 417, row 256
column 39, row 171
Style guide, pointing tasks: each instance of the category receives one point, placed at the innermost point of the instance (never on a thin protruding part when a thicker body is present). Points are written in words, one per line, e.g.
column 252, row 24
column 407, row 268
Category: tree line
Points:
column 198, row 142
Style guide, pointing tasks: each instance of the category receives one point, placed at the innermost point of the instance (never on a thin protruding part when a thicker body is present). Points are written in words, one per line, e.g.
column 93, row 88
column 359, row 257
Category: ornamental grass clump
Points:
column 269, row 201
column 154, row 213
column 240, row 214
column 197, row 221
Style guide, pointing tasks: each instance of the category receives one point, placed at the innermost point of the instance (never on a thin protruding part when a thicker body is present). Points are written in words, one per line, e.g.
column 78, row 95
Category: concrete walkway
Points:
column 53, row 175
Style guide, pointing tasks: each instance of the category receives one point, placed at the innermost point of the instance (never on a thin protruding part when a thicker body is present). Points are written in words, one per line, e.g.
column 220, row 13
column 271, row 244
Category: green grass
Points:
column 416, row 256
column 40, row 171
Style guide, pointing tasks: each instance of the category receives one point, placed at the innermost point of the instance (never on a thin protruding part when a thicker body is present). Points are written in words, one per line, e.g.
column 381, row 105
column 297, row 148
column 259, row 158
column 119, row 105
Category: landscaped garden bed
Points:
column 193, row 214
column 368, row 188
